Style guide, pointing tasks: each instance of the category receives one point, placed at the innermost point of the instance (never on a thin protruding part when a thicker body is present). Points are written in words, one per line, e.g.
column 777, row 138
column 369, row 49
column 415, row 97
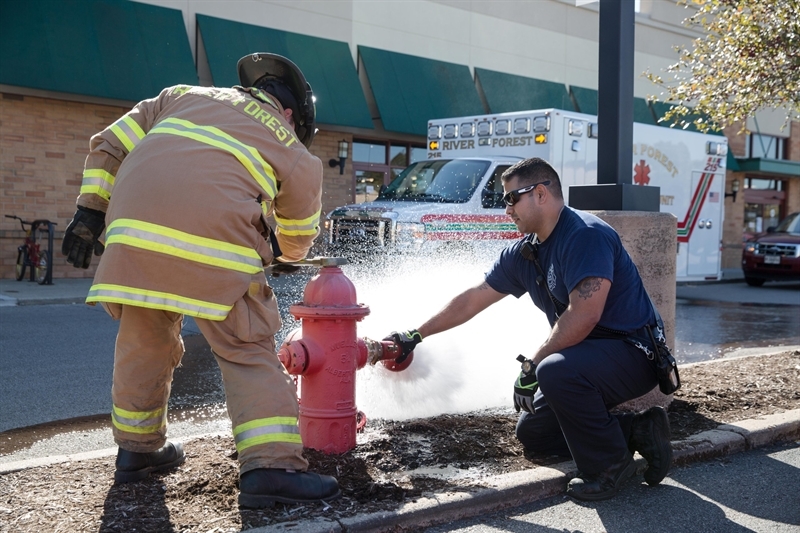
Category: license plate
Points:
column 772, row 260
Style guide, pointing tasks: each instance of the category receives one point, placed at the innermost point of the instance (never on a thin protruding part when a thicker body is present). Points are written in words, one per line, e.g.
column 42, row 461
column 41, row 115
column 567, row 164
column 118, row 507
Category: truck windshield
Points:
column 790, row 224
column 443, row 180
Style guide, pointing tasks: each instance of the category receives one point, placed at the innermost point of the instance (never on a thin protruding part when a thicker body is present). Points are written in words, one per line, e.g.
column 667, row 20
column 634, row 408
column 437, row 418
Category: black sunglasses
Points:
column 512, row 197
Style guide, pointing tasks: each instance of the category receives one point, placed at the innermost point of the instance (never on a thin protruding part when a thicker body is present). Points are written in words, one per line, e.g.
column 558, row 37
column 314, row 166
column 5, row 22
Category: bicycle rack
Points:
column 48, row 277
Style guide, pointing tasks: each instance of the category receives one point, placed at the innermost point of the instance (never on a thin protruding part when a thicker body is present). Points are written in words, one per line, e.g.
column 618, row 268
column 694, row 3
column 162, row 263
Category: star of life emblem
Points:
column 551, row 278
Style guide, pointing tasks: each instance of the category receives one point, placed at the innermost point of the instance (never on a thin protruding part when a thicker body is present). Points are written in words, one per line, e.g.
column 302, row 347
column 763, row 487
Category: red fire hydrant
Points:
column 326, row 353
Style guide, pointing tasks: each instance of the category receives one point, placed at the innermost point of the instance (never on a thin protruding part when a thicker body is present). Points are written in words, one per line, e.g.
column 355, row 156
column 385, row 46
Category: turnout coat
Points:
column 187, row 180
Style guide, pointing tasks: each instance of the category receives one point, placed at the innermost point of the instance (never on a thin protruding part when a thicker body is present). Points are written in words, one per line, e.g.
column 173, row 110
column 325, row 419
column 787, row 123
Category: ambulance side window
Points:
column 492, row 194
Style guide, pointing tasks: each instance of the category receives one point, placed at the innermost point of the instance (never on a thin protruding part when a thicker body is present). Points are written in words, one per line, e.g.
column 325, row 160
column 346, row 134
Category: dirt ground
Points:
column 394, row 462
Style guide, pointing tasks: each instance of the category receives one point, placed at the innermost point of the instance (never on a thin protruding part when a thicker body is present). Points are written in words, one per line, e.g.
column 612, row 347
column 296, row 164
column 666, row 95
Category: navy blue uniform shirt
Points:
column 581, row 246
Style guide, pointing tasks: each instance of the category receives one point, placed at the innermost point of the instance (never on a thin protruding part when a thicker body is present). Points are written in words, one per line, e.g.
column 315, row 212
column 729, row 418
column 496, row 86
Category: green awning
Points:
column 107, row 48
column 661, row 108
column 411, row 90
column 731, row 162
column 326, row 64
column 585, row 98
column 508, row 92
column 641, row 112
column 587, row 103
column 779, row 167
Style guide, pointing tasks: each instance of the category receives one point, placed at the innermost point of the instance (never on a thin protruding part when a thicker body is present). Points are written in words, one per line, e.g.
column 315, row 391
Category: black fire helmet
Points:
column 283, row 79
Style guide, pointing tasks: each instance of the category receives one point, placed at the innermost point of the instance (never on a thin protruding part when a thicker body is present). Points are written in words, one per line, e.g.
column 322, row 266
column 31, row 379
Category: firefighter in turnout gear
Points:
column 175, row 197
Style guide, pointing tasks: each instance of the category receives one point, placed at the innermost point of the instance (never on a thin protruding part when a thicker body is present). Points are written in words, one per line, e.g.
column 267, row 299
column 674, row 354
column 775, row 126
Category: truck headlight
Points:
column 750, row 247
column 410, row 233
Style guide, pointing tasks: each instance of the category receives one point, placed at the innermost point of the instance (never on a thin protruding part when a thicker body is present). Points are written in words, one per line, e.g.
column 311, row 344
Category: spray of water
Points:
column 468, row 368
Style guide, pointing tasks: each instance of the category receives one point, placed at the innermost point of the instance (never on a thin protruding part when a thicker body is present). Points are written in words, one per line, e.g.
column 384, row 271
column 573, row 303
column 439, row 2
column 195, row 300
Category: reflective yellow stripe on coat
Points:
column 266, row 430
column 128, row 132
column 97, row 181
column 142, row 422
column 248, row 156
column 104, row 292
column 307, row 226
column 176, row 243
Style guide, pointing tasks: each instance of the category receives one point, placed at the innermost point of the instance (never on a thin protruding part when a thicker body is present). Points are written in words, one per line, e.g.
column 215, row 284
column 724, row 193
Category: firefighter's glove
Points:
column 278, row 268
column 81, row 237
column 525, row 386
column 406, row 340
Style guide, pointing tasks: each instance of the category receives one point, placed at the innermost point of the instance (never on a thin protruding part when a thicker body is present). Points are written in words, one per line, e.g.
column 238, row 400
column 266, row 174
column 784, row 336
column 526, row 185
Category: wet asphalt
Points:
column 56, row 361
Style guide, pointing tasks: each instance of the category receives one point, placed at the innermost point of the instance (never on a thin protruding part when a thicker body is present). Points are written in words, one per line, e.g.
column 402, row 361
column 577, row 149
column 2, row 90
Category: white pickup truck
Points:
column 454, row 197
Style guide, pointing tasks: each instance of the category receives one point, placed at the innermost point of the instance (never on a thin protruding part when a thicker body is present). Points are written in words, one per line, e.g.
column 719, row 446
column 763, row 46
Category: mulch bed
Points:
column 394, row 463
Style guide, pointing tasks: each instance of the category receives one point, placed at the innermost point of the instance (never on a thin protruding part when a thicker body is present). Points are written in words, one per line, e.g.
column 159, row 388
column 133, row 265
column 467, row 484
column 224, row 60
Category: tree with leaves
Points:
column 748, row 59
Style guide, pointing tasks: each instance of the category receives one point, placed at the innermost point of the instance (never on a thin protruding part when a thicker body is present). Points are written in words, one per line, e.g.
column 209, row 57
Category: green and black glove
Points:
column 525, row 386
column 81, row 237
column 406, row 340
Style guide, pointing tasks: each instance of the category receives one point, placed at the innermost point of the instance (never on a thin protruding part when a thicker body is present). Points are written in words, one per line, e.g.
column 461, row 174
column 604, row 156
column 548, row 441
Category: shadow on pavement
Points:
column 763, row 474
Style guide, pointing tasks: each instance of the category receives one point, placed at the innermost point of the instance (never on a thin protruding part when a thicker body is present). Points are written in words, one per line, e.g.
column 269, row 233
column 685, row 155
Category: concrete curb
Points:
column 506, row 490
column 25, row 464
column 52, row 301
column 526, row 486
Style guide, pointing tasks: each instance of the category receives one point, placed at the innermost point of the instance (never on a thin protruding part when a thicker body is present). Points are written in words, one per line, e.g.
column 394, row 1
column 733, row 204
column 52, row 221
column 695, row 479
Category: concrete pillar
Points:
column 651, row 241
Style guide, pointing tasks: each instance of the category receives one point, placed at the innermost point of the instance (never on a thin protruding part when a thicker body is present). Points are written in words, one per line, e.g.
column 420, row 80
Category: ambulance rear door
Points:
column 575, row 141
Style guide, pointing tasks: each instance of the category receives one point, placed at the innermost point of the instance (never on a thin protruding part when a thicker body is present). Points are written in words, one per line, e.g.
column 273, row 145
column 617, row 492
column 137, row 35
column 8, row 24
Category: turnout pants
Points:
column 261, row 396
column 577, row 387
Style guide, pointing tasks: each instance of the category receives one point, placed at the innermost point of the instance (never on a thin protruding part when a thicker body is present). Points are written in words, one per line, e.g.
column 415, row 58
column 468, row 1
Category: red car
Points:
column 774, row 255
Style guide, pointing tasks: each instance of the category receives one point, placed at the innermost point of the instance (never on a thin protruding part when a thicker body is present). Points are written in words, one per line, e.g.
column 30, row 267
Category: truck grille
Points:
column 783, row 250
column 376, row 232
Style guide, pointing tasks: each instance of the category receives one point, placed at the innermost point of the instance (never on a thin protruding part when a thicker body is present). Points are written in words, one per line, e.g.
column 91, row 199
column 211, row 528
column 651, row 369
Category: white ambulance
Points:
column 454, row 197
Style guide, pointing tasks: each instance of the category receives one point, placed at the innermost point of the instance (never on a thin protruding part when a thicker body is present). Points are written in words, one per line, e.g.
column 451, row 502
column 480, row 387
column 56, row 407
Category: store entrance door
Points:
column 762, row 209
column 368, row 184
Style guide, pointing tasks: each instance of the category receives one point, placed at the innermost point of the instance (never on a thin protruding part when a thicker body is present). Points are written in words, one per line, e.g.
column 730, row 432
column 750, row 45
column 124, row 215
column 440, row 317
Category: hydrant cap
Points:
column 330, row 288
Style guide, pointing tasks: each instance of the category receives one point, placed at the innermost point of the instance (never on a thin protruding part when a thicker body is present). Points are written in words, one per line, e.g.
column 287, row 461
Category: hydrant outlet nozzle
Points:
column 294, row 353
column 386, row 352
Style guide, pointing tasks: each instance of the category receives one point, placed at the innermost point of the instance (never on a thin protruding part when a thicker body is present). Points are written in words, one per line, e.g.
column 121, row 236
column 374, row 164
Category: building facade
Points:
column 380, row 70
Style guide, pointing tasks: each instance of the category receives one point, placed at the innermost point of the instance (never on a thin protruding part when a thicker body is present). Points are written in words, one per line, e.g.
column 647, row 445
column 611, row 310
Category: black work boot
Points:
column 133, row 466
column 604, row 485
column 265, row 486
column 650, row 437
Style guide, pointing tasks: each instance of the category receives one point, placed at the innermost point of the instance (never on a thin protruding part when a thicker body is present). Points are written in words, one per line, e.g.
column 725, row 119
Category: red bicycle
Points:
column 32, row 255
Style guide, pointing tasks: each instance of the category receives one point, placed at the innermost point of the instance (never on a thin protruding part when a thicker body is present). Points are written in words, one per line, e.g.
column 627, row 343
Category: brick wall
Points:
column 337, row 189
column 43, row 145
column 733, row 224
column 793, row 154
column 734, row 212
column 736, row 141
column 793, row 145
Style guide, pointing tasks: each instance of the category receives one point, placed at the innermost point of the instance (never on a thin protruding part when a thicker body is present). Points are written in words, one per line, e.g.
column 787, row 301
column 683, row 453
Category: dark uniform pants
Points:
column 577, row 387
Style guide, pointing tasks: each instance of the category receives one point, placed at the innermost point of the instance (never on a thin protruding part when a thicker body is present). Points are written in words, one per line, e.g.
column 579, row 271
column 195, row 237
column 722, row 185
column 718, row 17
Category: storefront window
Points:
column 757, row 183
column 418, row 154
column 759, row 217
column 369, row 153
column 765, row 146
column 368, row 184
column 398, row 156
column 764, row 205
column 377, row 163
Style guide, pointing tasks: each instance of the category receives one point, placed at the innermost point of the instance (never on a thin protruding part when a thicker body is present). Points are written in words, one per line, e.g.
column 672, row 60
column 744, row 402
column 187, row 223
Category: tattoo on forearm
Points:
column 588, row 286
column 483, row 286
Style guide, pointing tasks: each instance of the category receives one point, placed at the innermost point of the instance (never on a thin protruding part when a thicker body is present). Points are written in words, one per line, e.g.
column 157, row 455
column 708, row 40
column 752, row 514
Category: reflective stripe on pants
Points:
column 149, row 347
column 261, row 396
